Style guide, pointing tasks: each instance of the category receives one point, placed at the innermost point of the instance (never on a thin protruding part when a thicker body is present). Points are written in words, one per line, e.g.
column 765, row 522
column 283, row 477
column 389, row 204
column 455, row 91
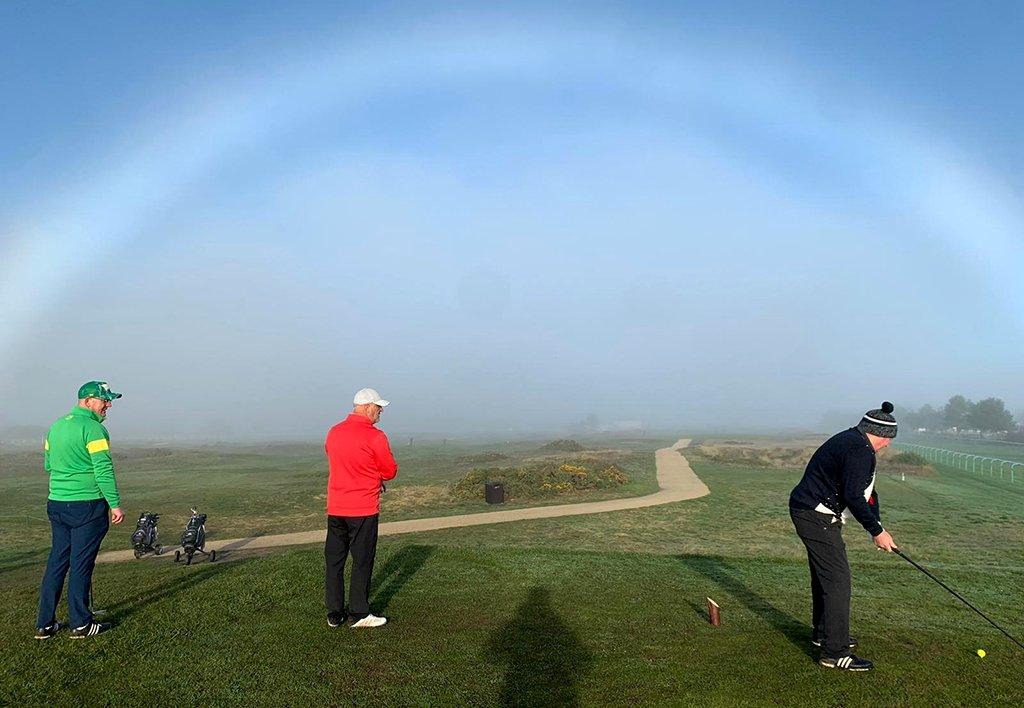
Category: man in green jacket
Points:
column 76, row 454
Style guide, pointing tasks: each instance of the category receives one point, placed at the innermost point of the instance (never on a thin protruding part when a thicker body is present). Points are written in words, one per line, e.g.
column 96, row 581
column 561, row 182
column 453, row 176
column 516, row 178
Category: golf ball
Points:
column 981, row 653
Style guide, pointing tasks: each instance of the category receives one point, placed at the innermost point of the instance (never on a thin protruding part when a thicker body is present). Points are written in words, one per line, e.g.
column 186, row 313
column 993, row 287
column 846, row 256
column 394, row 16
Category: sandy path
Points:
column 676, row 481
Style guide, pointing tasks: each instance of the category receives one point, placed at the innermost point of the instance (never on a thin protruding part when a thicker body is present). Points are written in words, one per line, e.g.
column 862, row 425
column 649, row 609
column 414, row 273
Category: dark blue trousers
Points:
column 78, row 527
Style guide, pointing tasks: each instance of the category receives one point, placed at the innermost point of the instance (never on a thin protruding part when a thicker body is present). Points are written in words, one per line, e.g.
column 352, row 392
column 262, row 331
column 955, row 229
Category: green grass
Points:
column 260, row 490
column 596, row 610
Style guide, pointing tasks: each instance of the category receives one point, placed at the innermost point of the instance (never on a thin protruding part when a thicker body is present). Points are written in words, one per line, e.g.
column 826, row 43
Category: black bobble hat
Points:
column 879, row 422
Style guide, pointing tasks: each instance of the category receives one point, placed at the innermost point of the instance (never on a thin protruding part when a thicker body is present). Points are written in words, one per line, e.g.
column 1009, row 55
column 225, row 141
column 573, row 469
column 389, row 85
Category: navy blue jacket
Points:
column 841, row 475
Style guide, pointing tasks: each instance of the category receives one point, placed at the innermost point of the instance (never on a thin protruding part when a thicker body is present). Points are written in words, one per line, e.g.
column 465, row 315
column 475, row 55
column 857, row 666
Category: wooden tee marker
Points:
column 713, row 613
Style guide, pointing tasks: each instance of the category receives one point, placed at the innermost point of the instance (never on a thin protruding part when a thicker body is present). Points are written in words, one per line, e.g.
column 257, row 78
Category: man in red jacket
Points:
column 360, row 461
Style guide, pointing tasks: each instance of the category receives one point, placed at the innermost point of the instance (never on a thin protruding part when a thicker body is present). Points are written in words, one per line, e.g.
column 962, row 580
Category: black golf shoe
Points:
column 847, row 663
column 49, row 630
column 90, row 630
column 816, row 641
column 335, row 619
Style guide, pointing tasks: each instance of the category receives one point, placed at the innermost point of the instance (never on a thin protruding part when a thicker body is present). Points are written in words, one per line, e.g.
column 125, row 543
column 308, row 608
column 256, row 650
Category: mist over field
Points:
column 674, row 217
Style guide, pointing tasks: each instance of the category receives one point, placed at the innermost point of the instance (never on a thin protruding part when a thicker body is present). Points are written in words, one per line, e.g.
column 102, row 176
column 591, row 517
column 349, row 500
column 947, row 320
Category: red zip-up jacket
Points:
column 359, row 459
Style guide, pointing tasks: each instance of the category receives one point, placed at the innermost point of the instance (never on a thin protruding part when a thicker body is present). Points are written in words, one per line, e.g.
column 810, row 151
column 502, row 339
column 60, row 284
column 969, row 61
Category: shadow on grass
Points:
column 186, row 582
column 11, row 560
column 543, row 660
column 241, row 543
column 396, row 572
column 726, row 576
column 699, row 609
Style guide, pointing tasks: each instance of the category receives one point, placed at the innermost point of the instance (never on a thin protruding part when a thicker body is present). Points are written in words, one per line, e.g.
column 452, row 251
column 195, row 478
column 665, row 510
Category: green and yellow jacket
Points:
column 76, row 453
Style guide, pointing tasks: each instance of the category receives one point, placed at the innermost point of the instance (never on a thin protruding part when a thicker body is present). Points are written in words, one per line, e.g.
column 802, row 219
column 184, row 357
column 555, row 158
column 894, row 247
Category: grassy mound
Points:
column 734, row 453
column 562, row 446
column 543, row 479
column 903, row 463
column 910, row 459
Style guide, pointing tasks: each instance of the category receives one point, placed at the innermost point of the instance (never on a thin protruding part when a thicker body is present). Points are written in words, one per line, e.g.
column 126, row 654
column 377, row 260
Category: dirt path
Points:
column 676, row 480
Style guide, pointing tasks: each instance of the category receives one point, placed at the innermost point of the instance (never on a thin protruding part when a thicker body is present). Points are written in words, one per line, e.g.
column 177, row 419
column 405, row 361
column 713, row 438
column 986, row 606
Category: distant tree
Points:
column 914, row 419
column 990, row 416
column 928, row 418
column 955, row 412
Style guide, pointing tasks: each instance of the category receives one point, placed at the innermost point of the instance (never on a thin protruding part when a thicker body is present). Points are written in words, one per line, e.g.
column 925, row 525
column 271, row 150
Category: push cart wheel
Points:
column 213, row 556
column 138, row 553
column 177, row 556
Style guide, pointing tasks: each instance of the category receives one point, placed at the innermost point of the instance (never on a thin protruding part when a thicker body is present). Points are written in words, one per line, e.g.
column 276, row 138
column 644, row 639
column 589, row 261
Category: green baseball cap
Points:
column 97, row 389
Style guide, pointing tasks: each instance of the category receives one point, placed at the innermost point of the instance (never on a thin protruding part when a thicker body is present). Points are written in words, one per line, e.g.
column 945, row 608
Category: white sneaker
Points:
column 370, row 621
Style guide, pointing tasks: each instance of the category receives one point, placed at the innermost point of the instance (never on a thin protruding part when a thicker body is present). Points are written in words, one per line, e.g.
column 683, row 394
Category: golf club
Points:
column 955, row 594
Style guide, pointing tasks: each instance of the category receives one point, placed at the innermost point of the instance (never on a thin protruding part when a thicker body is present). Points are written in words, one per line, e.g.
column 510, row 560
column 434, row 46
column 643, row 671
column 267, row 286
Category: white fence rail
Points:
column 1006, row 469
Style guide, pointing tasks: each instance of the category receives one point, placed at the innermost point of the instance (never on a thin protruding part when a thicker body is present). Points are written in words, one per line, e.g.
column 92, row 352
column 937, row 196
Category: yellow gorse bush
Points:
column 539, row 479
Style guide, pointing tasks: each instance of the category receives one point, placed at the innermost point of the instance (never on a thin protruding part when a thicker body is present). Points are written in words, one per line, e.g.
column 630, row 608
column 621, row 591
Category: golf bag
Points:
column 193, row 539
column 145, row 538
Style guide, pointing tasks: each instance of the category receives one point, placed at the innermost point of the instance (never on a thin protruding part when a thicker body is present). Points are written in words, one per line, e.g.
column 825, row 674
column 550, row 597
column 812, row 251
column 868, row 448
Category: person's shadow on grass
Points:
column 543, row 660
column 11, row 560
column 140, row 597
column 397, row 570
column 726, row 576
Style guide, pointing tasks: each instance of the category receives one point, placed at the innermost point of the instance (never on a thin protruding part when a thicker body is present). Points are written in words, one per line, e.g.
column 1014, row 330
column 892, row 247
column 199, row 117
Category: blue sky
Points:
column 509, row 218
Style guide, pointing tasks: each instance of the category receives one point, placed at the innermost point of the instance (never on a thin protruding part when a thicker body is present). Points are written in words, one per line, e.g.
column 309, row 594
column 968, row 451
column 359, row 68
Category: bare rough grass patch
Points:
column 413, row 497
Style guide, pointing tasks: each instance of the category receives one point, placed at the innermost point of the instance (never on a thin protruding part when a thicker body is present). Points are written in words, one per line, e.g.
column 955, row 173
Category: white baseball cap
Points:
column 368, row 395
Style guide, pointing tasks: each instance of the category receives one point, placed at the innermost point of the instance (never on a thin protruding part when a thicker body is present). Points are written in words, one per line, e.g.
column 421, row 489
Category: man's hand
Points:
column 884, row 542
column 116, row 515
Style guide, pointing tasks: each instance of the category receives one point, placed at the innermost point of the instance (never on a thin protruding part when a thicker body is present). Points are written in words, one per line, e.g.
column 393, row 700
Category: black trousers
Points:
column 355, row 535
column 830, row 579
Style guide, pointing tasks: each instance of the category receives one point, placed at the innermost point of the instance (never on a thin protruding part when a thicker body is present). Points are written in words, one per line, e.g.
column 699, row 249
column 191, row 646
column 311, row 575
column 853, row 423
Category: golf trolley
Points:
column 193, row 539
column 145, row 538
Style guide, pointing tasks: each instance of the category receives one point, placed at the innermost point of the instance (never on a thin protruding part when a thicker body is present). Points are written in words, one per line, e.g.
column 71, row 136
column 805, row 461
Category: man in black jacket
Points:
column 840, row 480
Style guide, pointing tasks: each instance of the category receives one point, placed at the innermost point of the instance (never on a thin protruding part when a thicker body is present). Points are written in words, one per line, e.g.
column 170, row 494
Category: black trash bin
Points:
column 494, row 493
